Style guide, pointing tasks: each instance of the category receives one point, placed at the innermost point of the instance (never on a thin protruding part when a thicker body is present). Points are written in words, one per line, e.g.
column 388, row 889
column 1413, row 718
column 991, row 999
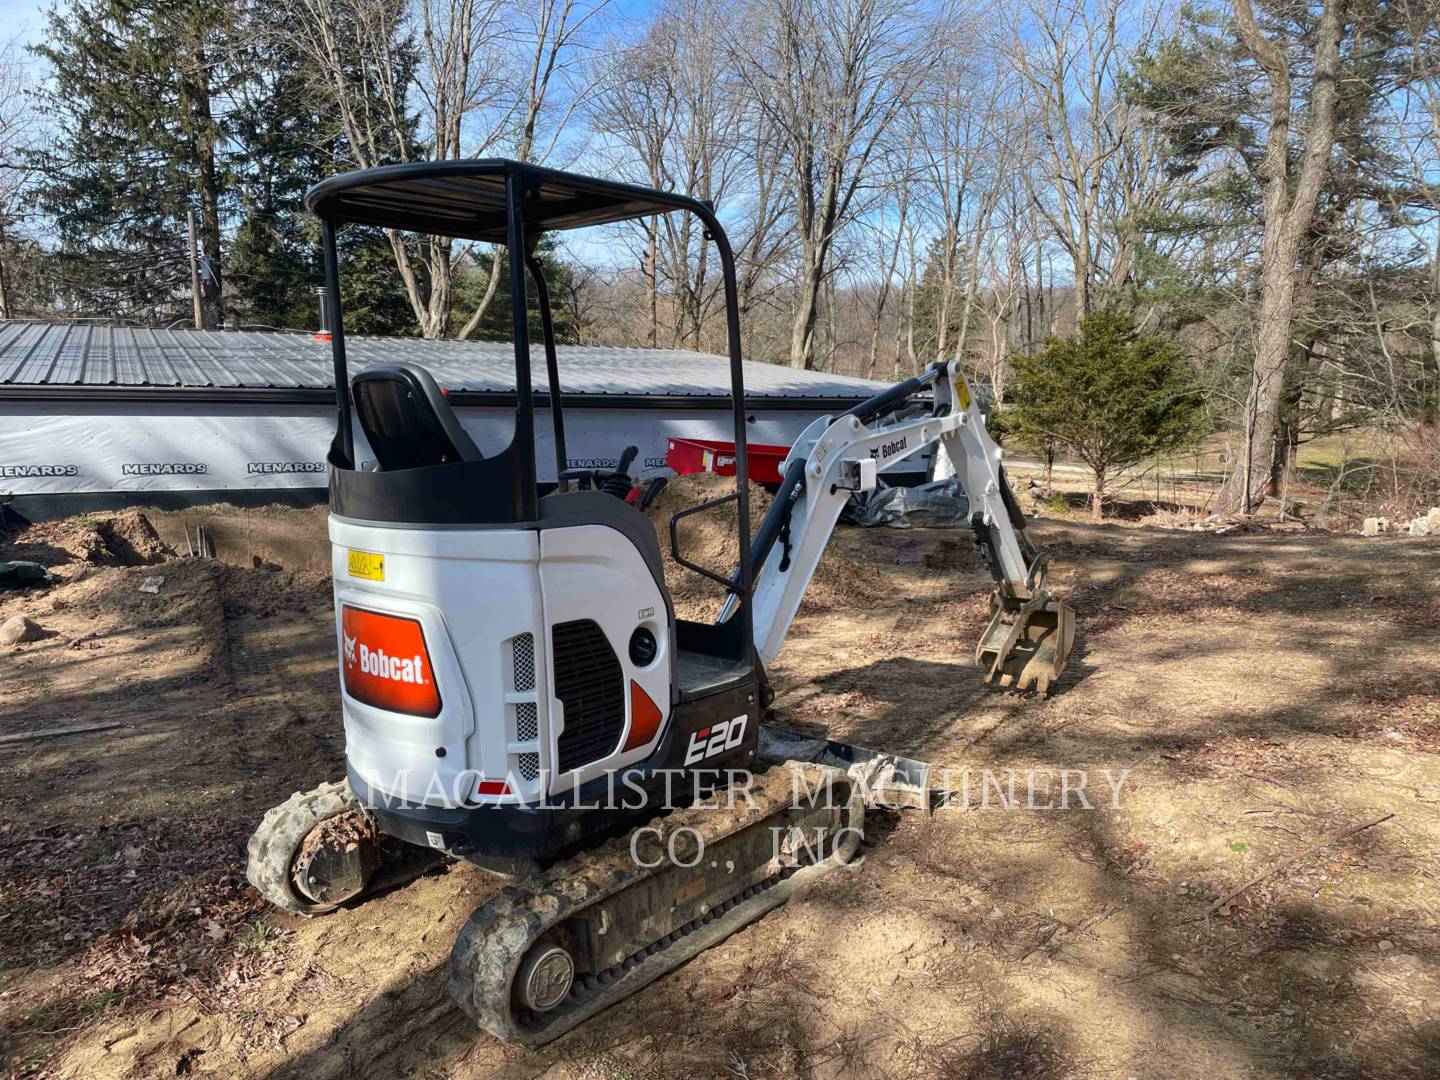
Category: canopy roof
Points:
column 466, row 199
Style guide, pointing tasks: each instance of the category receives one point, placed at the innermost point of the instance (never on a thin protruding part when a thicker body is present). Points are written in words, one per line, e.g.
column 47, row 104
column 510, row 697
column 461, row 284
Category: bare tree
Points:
column 635, row 109
column 676, row 116
column 1072, row 55
column 440, row 79
column 762, row 236
column 889, row 236
column 831, row 78
column 19, row 127
column 964, row 154
column 554, row 31
column 1003, row 273
column 1417, row 125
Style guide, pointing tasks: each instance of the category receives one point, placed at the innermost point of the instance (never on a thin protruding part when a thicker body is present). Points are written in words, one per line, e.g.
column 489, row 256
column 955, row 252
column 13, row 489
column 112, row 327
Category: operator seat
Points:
column 406, row 419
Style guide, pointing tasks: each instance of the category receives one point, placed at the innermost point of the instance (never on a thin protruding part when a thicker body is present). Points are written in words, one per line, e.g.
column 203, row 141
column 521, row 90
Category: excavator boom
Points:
column 1030, row 634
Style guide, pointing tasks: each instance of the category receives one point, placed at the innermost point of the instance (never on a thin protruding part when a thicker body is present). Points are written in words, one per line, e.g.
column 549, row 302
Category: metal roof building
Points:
column 60, row 355
column 95, row 416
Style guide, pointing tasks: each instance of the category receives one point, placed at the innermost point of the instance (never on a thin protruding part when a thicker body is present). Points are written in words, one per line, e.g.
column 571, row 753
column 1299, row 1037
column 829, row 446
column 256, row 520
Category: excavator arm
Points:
column 1030, row 633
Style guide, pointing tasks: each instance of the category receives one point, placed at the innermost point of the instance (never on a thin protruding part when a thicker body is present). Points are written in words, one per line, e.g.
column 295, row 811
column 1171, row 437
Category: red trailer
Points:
column 687, row 456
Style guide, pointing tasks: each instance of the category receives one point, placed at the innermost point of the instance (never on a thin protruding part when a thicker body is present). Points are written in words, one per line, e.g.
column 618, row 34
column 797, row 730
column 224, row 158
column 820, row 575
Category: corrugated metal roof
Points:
column 79, row 355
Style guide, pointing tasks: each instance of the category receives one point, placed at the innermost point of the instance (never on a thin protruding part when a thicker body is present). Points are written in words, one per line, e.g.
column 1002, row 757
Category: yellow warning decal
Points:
column 367, row 564
column 962, row 391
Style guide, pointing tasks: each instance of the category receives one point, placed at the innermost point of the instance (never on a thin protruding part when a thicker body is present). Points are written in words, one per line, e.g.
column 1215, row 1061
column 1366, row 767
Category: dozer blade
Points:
column 1028, row 643
column 884, row 780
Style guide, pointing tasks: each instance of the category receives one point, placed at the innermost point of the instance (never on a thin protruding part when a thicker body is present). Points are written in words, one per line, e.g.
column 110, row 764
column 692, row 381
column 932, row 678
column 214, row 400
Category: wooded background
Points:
column 903, row 180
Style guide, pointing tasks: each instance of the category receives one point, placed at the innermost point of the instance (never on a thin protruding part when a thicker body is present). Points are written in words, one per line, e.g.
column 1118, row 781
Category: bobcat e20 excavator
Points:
column 515, row 685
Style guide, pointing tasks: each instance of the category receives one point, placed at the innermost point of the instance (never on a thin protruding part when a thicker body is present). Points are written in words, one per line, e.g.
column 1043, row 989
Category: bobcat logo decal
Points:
column 384, row 663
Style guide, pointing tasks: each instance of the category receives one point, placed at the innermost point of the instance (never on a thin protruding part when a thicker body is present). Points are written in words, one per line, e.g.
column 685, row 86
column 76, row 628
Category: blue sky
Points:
column 21, row 20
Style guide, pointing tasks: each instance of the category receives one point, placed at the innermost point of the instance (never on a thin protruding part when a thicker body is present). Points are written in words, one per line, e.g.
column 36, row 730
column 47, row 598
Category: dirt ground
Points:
column 1253, row 694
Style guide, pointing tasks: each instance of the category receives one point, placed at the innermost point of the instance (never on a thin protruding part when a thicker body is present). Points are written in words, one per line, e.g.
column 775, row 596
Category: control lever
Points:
column 618, row 483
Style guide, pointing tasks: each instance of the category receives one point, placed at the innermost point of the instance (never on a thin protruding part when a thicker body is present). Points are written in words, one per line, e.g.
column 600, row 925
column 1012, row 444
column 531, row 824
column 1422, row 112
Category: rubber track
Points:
column 275, row 843
column 489, row 949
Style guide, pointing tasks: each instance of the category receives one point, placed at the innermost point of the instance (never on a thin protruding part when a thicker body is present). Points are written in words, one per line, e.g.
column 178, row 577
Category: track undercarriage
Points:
column 558, row 946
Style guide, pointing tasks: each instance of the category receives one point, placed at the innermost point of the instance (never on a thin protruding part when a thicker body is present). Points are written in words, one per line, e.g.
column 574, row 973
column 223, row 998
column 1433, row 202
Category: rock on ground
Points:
column 18, row 628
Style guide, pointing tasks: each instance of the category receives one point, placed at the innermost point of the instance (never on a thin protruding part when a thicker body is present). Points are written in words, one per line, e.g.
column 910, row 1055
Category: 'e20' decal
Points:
column 712, row 740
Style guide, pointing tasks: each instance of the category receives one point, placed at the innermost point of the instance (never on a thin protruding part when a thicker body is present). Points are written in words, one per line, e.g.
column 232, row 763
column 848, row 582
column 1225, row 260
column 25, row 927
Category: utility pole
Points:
column 194, row 272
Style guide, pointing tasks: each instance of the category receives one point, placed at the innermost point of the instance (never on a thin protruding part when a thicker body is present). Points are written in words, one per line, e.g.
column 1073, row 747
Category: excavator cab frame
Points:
column 515, row 204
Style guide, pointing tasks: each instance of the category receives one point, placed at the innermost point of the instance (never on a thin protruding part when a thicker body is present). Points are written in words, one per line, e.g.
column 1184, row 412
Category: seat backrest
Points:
column 406, row 419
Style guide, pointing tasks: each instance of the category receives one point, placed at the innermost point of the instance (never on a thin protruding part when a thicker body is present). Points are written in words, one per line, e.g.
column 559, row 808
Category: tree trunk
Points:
column 914, row 361
column 1097, row 497
column 491, row 287
column 1287, row 438
column 802, row 330
column 652, row 281
column 1430, row 406
column 436, row 323
column 197, row 90
column 1287, row 217
column 1245, row 487
column 872, row 358
column 900, row 329
column 4, row 282
column 211, row 285
column 884, row 297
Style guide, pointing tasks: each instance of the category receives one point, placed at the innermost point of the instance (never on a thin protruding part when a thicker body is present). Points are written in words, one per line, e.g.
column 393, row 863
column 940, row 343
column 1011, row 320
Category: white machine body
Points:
column 483, row 600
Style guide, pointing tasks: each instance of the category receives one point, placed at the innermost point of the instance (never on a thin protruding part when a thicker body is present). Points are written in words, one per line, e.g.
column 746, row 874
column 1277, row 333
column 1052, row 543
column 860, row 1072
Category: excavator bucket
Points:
column 1027, row 642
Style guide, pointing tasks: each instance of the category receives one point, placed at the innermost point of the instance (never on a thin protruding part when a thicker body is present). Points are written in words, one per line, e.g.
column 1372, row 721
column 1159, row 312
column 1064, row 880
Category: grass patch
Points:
column 257, row 937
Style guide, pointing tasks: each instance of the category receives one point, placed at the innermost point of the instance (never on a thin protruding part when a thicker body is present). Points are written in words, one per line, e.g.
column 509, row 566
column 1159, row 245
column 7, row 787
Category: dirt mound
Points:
column 131, row 540
column 186, row 613
column 709, row 539
column 125, row 538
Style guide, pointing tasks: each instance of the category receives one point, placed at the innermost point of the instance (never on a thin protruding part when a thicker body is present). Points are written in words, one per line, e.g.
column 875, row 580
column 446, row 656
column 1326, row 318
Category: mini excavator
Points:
column 516, row 688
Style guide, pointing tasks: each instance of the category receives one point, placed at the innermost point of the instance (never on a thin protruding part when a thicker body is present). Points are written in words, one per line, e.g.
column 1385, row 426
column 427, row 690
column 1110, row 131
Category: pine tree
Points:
column 1111, row 396
column 495, row 326
column 273, row 265
column 933, row 295
column 1201, row 87
column 136, row 106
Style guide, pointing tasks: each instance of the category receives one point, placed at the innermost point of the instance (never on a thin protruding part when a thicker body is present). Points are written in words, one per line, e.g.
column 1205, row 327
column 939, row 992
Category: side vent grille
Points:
column 591, row 685
column 524, row 655
column 527, row 729
column 526, row 713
